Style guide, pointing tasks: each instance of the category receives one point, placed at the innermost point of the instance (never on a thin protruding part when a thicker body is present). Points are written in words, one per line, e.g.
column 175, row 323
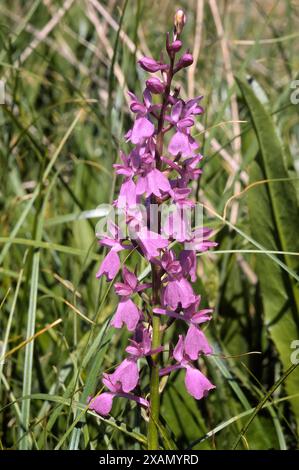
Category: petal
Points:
column 147, row 98
column 113, row 387
column 178, row 352
column 157, row 182
column 138, row 108
column 142, row 129
column 202, row 316
column 133, row 350
column 188, row 263
column 102, row 404
column 170, row 295
column 186, row 122
column 178, row 292
column 141, row 185
column 126, row 374
column 176, row 111
column 187, row 296
column 196, row 343
column 110, row 266
column 196, row 383
column 122, row 289
column 130, row 278
column 179, row 143
column 132, row 96
column 127, row 194
column 127, row 313
column 177, row 223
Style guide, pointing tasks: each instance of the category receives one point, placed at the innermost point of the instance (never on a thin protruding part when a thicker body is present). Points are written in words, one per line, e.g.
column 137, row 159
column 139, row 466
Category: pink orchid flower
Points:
column 197, row 384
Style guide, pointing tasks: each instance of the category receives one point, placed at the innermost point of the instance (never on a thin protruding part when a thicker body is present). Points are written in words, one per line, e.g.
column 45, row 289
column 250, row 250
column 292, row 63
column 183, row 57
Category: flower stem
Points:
column 153, row 437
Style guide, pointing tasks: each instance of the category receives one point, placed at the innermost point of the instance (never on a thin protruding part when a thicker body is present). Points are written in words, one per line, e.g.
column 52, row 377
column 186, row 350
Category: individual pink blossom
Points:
column 190, row 315
column 186, row 349
column 187, row 169
column 181, row 117
column 143, row 128
column 196, row 316
column 111, row 263
column 102, row 404
column 196, row 382
column 123, row 380
column 125, row 167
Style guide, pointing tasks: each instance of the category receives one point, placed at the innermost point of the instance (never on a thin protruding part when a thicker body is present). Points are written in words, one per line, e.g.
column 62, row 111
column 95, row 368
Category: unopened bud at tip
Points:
column 179, row 21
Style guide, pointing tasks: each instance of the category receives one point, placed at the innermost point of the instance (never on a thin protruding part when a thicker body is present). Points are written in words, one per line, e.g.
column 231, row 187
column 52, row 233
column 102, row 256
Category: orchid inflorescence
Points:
column 150, row 177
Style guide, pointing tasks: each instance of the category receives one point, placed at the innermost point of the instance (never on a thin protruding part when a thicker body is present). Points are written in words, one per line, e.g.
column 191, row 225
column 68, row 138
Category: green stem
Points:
column 153, row 436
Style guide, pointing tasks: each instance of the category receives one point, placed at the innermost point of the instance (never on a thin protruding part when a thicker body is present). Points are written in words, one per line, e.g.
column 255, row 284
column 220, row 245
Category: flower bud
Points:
column 184, row 61
column 155, row 85
column 175, row 46
column 151, row 65
column 179, row 21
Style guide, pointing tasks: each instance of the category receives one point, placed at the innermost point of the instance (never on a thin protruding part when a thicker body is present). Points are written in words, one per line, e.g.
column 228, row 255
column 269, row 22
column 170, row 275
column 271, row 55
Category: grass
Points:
column 67, row 66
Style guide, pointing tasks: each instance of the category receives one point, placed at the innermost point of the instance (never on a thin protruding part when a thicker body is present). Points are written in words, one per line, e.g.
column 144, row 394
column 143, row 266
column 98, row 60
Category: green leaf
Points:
column 288, row 373
column 274, row 215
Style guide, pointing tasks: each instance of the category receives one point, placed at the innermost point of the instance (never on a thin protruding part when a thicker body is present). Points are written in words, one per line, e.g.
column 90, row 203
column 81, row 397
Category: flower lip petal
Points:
column 128, row 313
column 196, row 343
column 142, row 129
column 197, row 383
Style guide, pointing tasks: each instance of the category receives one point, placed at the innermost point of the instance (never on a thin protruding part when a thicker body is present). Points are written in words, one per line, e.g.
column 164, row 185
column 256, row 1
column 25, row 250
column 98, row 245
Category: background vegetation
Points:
column 67, row 66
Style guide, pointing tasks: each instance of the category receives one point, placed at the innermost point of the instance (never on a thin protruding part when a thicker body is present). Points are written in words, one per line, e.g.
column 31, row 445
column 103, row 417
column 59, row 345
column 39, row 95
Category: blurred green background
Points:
column 66, row 67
